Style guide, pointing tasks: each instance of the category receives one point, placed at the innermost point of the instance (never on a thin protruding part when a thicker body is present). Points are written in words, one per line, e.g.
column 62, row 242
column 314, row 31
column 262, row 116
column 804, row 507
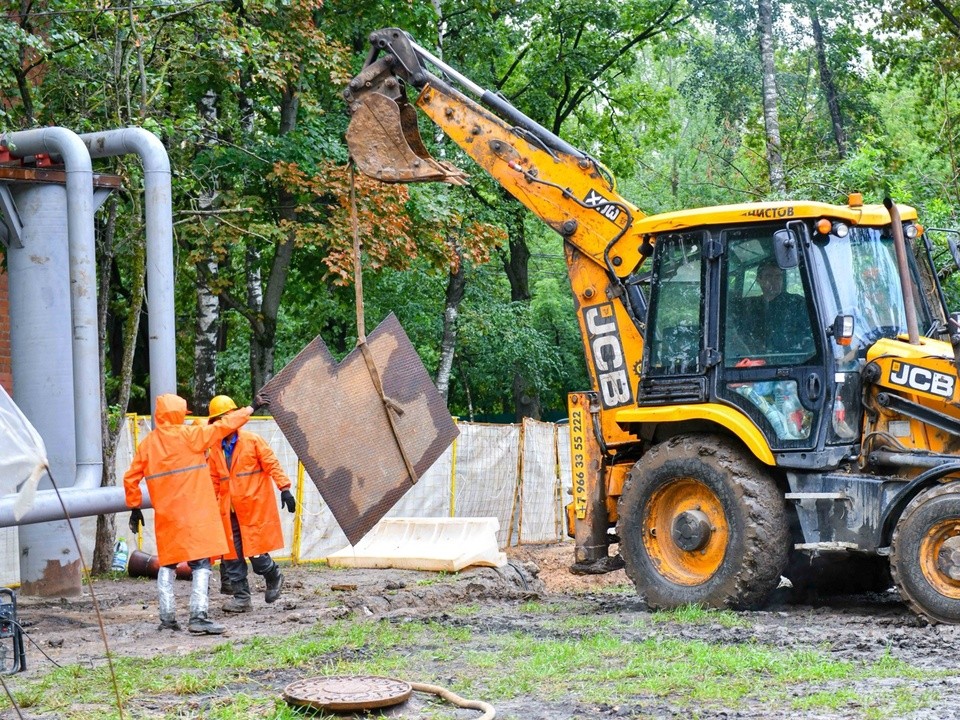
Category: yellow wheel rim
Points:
column 940, row 557
column 686, row 561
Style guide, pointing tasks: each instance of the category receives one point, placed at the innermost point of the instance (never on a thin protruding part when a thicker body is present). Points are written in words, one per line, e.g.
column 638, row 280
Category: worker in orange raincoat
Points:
column 173, row 462
column 245, row 470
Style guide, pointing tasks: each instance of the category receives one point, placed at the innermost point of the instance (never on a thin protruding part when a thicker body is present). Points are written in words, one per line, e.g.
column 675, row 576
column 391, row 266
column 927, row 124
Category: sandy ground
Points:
column 858, row 628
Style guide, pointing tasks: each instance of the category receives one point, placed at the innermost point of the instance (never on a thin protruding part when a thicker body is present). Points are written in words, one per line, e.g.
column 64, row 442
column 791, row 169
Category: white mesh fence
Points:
column 540, row 511
column 10, row 562
column 487, row 473
column 519, row 474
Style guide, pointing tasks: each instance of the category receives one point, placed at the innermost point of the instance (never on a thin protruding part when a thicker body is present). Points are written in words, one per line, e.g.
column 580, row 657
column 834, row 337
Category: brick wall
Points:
column 6, row 378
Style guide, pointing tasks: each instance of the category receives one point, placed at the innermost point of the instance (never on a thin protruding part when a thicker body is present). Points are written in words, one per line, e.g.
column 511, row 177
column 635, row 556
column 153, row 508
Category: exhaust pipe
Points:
column 903, row 267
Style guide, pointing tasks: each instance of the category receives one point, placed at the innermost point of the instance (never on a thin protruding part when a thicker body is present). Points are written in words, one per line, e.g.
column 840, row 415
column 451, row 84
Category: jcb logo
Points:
column 603, row 206
column 608, row 360
column 918, row 378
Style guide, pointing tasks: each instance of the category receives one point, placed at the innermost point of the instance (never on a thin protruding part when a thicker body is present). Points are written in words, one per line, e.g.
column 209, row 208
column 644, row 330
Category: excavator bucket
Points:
column 385, row 143
column 335, row 419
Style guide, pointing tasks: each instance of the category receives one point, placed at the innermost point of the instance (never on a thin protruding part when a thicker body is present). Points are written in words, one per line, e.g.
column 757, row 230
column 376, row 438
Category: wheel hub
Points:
column 948, row 559
column 691, row 530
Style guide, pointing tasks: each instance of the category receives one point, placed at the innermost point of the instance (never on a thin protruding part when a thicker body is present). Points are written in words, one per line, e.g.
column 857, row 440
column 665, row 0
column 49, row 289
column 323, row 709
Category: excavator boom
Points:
column 566, row 188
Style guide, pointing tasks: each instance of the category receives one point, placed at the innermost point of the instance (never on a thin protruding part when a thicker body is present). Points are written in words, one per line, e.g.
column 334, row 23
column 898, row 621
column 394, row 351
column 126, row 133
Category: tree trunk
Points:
column 826, row 80
column 526, row 398
column 263, row 339
column 456, row 284
column 106, row 524
column 516, row 264
column 208, row 303
column 771, row 119
column 106, row 527
column 20, row 72
column 207, row 334
column 255, row 302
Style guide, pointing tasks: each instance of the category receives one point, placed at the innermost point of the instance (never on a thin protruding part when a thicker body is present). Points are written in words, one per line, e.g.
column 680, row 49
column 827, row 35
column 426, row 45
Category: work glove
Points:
column 136, row 520
column 286, row 499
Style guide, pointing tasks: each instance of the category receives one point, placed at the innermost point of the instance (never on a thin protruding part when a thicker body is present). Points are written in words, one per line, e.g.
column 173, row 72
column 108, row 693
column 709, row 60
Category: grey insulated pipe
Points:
column 159, row 220
column 89, row 498
column 83, row 291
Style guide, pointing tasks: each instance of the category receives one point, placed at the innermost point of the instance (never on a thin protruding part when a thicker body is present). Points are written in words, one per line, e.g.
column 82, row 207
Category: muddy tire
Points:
column 701, row 522
column 925, row 553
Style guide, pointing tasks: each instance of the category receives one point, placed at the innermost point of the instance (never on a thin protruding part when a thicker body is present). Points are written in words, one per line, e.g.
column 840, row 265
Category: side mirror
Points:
column 842, row 329
column 785, row 249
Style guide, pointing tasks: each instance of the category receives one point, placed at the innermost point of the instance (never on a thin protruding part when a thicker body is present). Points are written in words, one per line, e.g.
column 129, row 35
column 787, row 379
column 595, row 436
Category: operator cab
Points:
column 745, row 312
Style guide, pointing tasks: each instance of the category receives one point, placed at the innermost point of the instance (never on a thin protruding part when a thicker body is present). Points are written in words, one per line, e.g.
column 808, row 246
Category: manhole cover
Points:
column 357, row 692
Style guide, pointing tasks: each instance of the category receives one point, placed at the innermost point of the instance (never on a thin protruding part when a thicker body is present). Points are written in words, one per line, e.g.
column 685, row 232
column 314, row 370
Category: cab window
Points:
column 675, row 334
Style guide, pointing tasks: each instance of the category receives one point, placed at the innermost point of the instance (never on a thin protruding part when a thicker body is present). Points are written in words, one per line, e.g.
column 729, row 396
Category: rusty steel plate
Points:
column 340, row 693
column 337, row 424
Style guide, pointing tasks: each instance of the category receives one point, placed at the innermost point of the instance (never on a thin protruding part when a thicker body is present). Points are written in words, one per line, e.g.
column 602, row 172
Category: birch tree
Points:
column 771, row 117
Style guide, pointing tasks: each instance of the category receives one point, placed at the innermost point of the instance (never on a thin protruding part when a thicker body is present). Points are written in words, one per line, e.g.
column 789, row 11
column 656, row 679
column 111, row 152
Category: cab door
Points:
column 772, row 364
column 680, row 326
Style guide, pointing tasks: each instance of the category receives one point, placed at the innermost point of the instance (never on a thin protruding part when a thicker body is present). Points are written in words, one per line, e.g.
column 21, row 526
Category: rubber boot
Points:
column 225, row 586
column 274, row 580
column 199, row 623
column 168, row 618
column 240, row 602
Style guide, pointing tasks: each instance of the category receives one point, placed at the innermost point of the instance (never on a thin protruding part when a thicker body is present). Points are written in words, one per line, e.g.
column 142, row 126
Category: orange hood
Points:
column 171, row 409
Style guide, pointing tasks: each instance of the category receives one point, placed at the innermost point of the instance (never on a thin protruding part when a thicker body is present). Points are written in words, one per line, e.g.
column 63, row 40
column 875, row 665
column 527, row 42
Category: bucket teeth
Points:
column 385, row 144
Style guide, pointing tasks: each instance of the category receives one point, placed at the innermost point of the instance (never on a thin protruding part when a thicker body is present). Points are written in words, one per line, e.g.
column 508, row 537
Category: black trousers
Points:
column 237, row 569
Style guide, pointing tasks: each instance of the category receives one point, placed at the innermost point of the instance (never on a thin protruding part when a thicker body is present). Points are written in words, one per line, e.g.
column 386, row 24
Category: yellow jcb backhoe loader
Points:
column 768, row 380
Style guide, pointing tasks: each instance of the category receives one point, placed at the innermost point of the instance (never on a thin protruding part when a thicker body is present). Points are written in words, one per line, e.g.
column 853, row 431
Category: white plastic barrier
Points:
column 438, row 544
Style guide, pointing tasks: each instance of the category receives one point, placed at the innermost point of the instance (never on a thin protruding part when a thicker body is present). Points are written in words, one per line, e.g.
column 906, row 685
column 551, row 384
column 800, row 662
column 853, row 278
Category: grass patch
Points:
column 696, row 615
column 436, row 579
column 590, row 663
column 583, row 623
column 465, row 610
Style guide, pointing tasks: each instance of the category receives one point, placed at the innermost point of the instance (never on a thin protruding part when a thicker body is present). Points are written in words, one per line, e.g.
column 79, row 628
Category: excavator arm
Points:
column 564, row 187
column 567, row 189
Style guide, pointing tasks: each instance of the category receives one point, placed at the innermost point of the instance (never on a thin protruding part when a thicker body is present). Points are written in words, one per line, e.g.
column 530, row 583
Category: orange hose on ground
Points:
column 488, row 710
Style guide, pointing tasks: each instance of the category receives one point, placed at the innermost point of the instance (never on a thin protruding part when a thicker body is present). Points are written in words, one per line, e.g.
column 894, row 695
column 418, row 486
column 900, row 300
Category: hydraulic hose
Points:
column 488, row 710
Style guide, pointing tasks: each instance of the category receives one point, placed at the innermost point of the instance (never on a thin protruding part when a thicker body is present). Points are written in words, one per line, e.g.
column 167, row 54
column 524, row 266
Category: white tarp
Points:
column 23, row 457
column 23, row 460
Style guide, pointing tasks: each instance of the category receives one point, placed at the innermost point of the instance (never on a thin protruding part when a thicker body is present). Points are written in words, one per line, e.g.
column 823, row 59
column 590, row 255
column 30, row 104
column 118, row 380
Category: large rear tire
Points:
column 701, row 522
column 925, row 553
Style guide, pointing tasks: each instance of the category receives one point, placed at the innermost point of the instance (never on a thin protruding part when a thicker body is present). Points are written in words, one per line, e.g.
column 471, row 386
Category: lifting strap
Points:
column 388, row 404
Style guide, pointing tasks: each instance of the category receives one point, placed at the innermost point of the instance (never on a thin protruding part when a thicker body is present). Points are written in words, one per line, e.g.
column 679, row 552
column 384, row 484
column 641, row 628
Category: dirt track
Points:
column 856, row 628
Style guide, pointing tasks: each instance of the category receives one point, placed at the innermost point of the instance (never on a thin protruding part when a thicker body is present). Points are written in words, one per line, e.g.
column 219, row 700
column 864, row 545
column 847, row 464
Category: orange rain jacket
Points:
column 246, row 488
column 172, row 461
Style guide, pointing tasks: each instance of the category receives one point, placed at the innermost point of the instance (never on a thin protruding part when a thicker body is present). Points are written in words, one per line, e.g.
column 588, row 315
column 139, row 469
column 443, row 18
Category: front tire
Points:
column 925, row 553
column 701, row 522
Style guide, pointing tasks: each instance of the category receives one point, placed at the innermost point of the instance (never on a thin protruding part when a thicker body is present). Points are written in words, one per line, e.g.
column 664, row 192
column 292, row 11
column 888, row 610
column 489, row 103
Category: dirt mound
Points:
column 554, row 563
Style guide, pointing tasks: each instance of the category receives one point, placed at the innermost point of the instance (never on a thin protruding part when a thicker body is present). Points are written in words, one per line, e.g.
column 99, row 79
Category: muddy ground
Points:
column 866, row 627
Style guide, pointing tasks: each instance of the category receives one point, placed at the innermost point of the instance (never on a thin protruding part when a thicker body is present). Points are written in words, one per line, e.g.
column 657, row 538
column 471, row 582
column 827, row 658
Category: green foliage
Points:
column 246, row 98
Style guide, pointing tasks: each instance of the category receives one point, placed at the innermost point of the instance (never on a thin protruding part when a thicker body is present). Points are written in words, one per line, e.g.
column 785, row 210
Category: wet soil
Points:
column 860, row 628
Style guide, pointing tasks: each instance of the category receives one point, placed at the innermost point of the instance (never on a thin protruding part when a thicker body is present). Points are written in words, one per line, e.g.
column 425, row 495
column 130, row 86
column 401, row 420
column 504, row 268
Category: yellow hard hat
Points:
column 221, row 404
